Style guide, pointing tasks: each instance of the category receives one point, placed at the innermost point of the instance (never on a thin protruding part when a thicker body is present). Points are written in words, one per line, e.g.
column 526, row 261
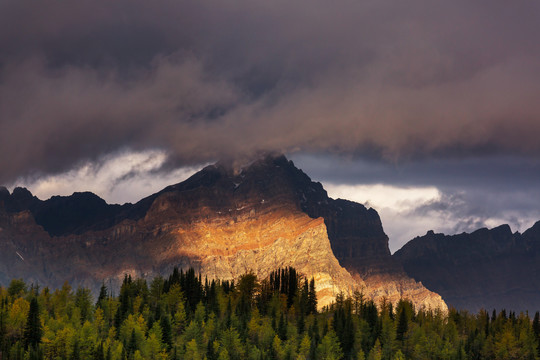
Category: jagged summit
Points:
column 237, row 165
column 63, row 215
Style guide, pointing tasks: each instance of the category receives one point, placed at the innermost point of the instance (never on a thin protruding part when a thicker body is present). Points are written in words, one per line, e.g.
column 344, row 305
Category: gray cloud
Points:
column 376, row 79
column 474, row 192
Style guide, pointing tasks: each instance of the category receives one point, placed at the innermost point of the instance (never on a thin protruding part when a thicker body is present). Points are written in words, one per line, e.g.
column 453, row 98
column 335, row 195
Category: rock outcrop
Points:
column 224, row 221
column 489, row 269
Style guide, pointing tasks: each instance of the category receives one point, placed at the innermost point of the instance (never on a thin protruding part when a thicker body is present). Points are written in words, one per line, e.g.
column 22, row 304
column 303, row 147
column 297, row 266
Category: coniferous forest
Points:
column 187, row 317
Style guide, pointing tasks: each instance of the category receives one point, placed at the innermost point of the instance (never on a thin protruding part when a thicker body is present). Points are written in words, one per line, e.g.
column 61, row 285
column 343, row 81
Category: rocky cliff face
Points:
column 485, row 269
column 224, row 221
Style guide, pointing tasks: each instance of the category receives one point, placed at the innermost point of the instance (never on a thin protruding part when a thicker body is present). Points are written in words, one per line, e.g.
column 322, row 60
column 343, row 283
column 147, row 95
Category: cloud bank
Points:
column 382, row 80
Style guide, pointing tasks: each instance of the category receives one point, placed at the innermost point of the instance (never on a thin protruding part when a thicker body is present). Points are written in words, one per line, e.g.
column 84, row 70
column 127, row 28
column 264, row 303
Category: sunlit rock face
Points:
column 224, row 221
column 487, row 269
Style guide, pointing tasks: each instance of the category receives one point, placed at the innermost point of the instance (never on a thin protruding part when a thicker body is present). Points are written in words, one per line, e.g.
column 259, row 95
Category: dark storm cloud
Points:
column 383, row 79
column 495, row 172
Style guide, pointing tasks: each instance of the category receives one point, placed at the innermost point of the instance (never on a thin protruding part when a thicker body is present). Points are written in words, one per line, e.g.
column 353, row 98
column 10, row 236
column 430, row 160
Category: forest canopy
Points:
column 186, row 317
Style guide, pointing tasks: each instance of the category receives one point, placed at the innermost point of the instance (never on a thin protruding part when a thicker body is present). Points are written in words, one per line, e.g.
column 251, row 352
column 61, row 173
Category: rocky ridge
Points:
column 487, row 269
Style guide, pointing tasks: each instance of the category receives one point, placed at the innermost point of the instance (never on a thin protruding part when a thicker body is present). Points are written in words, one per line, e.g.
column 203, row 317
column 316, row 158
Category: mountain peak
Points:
column 21, row 193
column 235, row 166
column 4, row 192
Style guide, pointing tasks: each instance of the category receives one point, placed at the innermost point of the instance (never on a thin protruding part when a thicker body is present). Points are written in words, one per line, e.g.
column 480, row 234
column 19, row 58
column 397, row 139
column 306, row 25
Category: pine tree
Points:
column 210, row 351
column 301, row 323
column 282, row 327
column 402, row 325
column 312, row 297
column 83, row 300
column 536, row 324
column 536, row 330
column 75, row 354
column 166, row 332
column 102, row 298
column 303, row 301
column 98, row 352
column 329, row 348
column 292, row 287
column 132, row 347
column 32, row 330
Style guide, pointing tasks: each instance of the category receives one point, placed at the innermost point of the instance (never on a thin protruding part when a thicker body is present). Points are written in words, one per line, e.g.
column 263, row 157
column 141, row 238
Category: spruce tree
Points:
column 312, row 297
column 282, row 327
column 98, row 352
column 402, row 325
column 301, row 323
column 536, row 330
column 75, row 355
column 132, row 347
column 32, row 330
column 536, row 324
column 166, row 333
column 102, row 296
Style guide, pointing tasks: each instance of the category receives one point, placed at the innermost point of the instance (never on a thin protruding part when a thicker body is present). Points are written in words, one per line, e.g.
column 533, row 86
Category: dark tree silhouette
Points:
column 32, row 330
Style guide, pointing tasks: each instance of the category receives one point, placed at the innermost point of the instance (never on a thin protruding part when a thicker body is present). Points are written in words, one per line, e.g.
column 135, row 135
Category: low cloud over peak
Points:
column 376, row 79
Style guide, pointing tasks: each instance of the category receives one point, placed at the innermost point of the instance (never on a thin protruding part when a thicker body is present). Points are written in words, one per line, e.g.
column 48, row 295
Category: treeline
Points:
column 187, row 317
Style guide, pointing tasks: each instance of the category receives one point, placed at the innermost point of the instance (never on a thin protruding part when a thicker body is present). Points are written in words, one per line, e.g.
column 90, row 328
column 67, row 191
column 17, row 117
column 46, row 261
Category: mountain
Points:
column 489, row 269
column 224, row 221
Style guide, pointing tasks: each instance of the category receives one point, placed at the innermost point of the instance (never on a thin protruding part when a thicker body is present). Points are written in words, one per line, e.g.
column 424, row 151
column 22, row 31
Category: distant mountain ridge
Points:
column 489, row 268
column 224, row 220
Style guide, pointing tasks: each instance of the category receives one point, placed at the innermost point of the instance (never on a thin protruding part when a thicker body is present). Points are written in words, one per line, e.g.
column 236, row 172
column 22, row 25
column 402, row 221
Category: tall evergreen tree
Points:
column 102, row 296
column 132, row 346
column 282, row 327
column 312, row 297
column 166, row 331
column 536, row 324
column 33, row 330
column 536, row 330
column 402, row 326
column 99, row 353
column 75, row 354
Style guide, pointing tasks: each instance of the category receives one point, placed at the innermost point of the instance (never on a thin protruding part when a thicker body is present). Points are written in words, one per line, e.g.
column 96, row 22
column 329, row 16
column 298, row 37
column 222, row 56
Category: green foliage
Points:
column 186, row 317
column 329, row 348
column 17, row 287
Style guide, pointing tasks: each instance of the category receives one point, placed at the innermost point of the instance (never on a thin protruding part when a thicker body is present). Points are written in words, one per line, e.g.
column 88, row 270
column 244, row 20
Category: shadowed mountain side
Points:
column 485, row 269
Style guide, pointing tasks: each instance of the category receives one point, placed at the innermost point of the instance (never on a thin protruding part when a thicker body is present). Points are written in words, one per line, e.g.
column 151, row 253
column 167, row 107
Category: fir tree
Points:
column 102, row 298
column 166, row 332
column 32, row 330
column 98, row 352
column 132, row 346
column 402, row 326
column 536, row 324
column 282, row 327
column 75, row 354
column 312, row 297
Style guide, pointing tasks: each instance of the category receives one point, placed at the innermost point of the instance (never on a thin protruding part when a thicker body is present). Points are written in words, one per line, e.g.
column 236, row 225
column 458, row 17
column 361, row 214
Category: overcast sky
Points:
column 426, row 110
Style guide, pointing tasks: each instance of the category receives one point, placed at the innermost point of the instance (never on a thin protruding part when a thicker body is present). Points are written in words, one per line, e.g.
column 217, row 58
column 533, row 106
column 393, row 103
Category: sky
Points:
column 426, row 110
